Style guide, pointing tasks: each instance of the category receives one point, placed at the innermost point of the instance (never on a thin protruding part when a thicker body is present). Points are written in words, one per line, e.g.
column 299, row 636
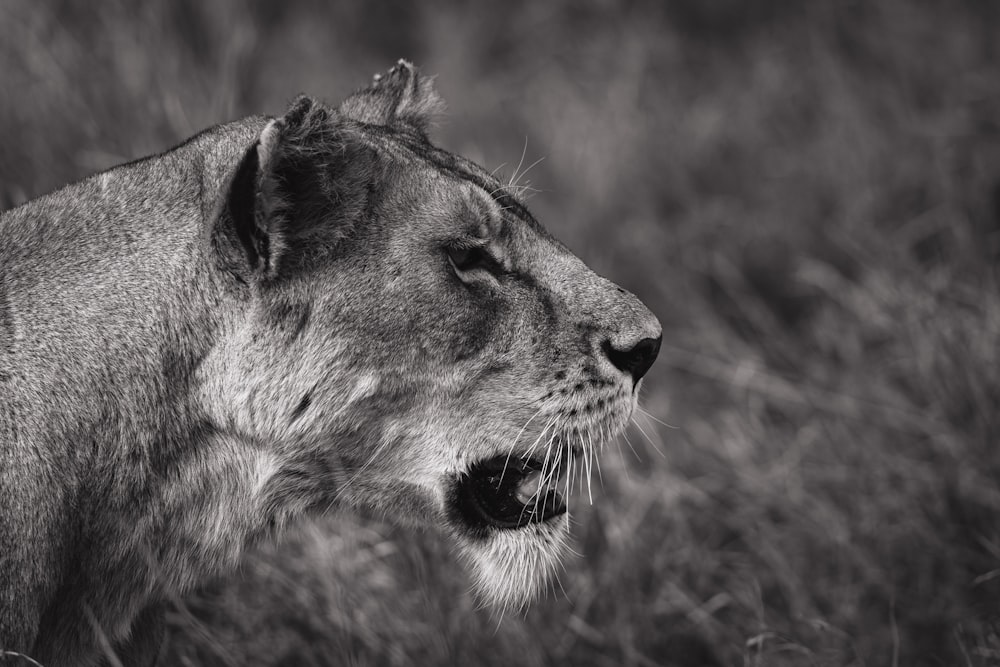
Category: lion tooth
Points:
column 528, row 487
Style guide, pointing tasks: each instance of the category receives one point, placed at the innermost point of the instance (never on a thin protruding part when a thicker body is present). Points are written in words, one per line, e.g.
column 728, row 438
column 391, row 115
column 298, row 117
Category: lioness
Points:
column 276, row 317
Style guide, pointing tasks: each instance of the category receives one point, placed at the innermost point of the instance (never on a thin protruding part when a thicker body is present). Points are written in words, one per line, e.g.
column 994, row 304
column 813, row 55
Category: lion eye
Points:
column 470, row 259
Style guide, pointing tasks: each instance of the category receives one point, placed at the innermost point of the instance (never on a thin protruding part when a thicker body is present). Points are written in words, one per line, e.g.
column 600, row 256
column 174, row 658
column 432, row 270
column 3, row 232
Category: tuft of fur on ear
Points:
column 400, row 97
column 298, row 191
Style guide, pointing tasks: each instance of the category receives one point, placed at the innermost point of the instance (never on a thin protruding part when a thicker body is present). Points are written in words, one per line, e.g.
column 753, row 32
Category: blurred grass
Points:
column 807, row 194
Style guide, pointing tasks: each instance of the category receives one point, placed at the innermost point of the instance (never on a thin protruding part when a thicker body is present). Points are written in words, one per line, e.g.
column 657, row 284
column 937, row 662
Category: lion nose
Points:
column 635, row 360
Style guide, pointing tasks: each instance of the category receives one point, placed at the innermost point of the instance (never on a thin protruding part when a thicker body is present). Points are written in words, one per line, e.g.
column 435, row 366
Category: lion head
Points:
column 412, row 341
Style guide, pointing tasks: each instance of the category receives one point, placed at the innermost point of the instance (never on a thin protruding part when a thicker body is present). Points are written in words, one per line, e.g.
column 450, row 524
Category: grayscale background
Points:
column 807, row 194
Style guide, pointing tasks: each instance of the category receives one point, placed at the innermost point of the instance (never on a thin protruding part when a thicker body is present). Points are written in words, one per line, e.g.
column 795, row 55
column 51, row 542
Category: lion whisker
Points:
column 524, row 151
column 621, row 455
column 654, row 418
column 557, row 581
column 600, row 477
column 513, row 182
column 629, row 443
column 589, row 458
column 605, row 436
column 586, row 472
column 648, row 439
column 510, row 451
column 525, row 191
column 573, row 471
column 569, row 474
column 545, row 462
column 577, row 470
column 534, row 445
column 546, row 471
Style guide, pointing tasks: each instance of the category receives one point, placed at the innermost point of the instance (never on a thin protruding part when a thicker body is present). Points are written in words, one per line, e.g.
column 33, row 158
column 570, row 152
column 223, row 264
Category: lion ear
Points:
column 400, row 97
column 296, row 192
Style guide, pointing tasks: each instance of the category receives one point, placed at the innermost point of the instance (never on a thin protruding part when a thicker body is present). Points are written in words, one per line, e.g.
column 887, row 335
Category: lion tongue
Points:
column 529, row 487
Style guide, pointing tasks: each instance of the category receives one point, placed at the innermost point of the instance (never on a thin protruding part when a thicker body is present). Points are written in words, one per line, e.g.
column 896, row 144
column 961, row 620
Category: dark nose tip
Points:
column 636, row 360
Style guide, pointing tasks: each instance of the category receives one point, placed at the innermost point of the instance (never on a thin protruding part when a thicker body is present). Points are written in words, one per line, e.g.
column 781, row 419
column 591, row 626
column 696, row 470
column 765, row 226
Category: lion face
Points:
column 423, row 348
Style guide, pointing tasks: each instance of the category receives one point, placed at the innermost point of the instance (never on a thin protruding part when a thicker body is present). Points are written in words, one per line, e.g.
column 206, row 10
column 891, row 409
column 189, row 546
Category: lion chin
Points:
column 512, row 568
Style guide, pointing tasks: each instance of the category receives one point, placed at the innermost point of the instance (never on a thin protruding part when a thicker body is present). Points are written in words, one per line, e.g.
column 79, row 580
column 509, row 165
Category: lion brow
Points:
column 460, row 168
column 466, row 170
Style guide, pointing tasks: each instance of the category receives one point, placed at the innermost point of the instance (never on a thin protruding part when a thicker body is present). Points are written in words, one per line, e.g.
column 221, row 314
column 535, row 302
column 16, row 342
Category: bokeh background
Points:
column 806, row 193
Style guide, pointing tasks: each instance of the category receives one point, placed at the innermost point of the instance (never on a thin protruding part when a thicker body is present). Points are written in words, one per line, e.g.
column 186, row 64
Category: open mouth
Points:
column 508, row 493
